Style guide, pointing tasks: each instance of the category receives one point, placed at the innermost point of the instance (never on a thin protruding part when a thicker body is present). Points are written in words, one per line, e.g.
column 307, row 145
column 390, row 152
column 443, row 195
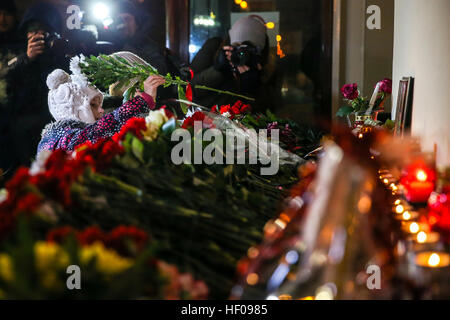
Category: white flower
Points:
column 77, row 75
column 3, row 195
column 38, row 166
column 157, row 118
column 75, row 64
column 226, row 114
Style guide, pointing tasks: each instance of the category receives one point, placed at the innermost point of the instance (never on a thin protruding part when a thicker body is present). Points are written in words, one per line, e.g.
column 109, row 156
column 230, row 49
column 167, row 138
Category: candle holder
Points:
column 419, row 181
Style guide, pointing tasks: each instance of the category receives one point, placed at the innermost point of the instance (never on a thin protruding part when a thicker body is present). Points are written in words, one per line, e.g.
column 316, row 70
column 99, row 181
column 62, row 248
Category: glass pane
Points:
column 294, row 29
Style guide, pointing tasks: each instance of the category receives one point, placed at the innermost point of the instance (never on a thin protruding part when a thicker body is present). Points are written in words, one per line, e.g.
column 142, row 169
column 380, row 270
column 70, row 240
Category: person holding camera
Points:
column 132, row 36
column 235, row 64
column 42, row 50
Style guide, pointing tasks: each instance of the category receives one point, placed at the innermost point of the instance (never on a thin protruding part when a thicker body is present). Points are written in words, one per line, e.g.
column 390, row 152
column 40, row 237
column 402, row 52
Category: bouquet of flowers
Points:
column 203, row 218
column 118, row 264
column 360, row 106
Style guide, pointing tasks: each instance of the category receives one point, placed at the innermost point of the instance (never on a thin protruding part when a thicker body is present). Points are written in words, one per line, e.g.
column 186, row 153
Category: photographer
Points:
column 236, row 64
column 132, row 36
column 42, row 51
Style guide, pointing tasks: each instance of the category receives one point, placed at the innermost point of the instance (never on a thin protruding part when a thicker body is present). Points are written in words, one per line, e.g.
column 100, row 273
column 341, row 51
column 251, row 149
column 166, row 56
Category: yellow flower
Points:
column 108, row 261
column 151, row 133
column 50, row 256
column 6, row 268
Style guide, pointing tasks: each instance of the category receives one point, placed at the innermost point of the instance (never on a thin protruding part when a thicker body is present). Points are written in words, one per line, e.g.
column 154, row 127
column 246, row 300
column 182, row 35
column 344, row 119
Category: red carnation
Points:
column 189, row 122
column 246, row 108
column 59, row 235
column 120, row 238
column 225, row 109
column 90, row 236
column 134, row 126
column 235, row 110
column 28, row 203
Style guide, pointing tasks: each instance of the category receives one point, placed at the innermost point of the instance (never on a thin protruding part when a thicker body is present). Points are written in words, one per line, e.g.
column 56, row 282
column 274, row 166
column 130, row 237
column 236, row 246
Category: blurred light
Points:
column 414, row 227
column 324, row 293
column 434, row 260
column 100, row 11
column 406, row 215
column 277, row 277
column 399, row 209
column 204, row 21
column 291, row 257
column 421, row 237
column 270, row 25
column 279, row 38
column 252, row 253
column 193, row 48
column 244, row 5
column 421, row 176
column 272, row 297
column 107, row 22
column 364, row 204
column 285, row 297
column 252, row 279
column 386, row 181
column 280, row 223
column 360, row 136
column 307, row 298
column 238, row 1
column 397, row 202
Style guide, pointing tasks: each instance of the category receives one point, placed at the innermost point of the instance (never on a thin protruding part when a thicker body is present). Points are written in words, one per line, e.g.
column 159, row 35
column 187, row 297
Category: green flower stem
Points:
column 223, row 92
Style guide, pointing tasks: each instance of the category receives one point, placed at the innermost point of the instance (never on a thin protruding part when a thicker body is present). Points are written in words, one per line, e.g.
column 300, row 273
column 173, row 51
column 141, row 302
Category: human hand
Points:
column 151, row 85
column 36, row 45
column 228, row 50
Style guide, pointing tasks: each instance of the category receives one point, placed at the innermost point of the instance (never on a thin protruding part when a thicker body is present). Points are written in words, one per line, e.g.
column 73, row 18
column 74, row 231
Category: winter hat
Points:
column 8, row 6
column 46, row 14
column 251, row 28
column 70, row 99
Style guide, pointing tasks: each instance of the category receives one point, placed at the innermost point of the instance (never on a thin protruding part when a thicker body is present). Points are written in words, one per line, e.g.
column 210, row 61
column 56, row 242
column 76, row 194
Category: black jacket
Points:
column 259, row 85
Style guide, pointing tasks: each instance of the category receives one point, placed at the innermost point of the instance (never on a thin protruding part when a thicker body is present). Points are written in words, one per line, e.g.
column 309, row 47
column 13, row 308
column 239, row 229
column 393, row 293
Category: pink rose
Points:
column 386, row 85
column 350, row 91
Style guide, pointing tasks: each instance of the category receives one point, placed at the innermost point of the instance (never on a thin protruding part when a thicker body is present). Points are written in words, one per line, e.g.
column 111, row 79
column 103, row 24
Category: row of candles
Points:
column 426, row 245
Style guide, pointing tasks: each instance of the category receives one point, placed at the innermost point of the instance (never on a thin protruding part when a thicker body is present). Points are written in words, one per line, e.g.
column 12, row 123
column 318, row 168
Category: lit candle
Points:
column 427, row 238
column 407, row 216
column 433, row 259
column 418, row 183
column 412, row 227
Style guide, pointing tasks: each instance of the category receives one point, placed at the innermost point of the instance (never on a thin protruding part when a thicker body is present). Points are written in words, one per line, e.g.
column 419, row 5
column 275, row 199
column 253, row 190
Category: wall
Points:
column 422, row 50
column 361, row 55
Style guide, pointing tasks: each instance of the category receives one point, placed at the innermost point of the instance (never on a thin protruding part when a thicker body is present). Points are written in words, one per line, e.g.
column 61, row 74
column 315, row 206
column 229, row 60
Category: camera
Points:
column 245, row 55
column 51, row 38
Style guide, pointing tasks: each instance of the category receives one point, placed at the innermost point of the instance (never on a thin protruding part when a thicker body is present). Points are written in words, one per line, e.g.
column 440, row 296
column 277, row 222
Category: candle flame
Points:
column 399, row 209
column 397, row 202
column 434, row 260
column 421, row 176
column 421, row 237
column 414, row 227
column 386, row 181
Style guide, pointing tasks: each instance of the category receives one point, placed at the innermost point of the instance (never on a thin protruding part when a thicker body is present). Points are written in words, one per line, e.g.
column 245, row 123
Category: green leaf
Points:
column 182, row 96
column 138, row 148
column 344, row 111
